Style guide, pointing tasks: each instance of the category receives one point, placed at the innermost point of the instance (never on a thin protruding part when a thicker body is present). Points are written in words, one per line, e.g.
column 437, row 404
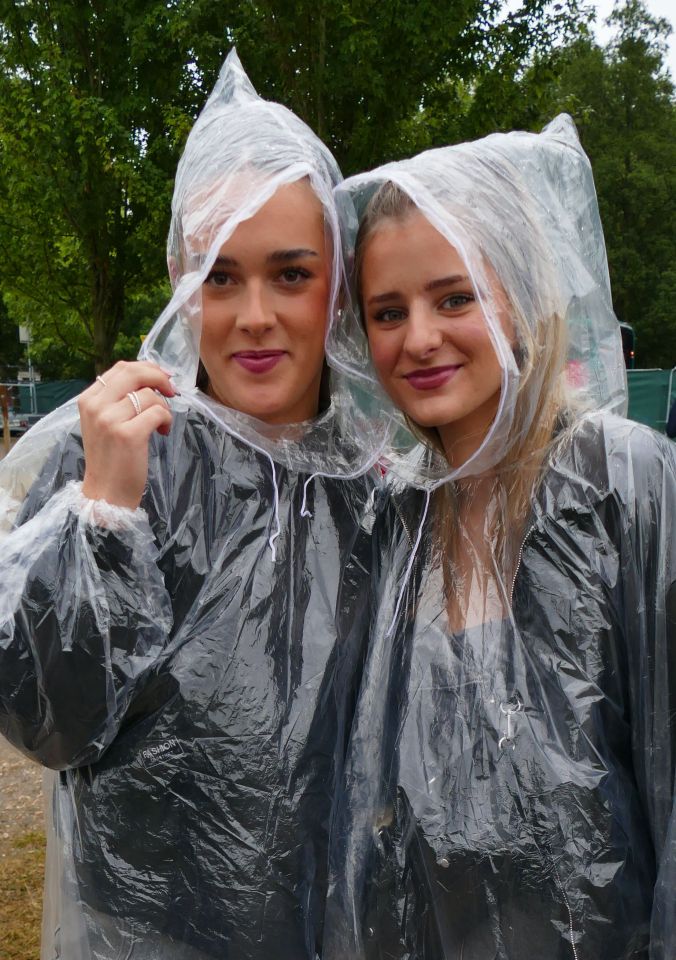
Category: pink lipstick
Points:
column 258, row 361
column 430, row 378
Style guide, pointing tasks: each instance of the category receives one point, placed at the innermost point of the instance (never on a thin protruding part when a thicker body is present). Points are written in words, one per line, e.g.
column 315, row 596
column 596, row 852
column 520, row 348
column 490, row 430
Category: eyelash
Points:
column 300, row 271
column 300, row 274
column 382, row 315
column 464, row 298
column 218, row 273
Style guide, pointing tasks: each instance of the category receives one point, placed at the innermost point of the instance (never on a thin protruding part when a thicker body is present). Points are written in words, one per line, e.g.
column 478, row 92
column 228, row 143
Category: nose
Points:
column 255, row 313
column 423, row 336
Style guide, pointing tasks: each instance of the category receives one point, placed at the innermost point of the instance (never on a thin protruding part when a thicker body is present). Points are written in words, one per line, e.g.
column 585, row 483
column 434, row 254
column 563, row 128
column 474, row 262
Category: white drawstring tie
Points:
column 278, row 529
column 304, row 512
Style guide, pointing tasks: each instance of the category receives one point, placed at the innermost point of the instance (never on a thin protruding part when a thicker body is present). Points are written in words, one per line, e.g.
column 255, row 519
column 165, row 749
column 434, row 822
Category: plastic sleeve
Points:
column 84, row 614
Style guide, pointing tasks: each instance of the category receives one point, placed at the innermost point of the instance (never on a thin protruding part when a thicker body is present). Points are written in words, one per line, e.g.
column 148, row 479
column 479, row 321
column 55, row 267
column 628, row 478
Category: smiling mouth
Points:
column 258, row 361
column 431, row 378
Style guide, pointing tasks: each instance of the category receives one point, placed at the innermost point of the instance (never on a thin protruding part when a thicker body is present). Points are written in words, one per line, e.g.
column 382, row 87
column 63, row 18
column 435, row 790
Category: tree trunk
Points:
column 107, row 314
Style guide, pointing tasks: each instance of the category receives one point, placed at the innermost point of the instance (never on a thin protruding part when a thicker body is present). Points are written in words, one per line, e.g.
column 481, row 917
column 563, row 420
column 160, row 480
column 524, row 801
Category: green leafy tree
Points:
column 96, row 100
column 622, row 100
column 636, row 174
column 487, row 94
column 382, row 80
column 89, row 132
column 12, row 358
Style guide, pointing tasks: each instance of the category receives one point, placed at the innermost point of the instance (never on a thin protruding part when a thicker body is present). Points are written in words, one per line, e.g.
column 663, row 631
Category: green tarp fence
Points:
column 651, row 393
column 49, row 395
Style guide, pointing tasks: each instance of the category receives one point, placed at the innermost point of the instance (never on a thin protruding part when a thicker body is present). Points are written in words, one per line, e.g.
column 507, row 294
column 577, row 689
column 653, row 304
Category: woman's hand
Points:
column 115, row 435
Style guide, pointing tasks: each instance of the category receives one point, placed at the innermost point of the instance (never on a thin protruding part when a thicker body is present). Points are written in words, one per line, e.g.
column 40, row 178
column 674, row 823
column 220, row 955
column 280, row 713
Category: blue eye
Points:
column 456, row 300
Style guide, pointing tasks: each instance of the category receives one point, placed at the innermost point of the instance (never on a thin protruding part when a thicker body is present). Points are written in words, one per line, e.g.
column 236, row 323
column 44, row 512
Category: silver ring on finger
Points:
column 135, row 402
column 101, row 380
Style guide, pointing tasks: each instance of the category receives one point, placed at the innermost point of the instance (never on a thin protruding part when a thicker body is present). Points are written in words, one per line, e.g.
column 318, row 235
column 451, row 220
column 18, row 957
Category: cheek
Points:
column 216, row 329
column 385, row 351
column 212, row 322
column 308, row 319
column 488, row 364
column 476, row 341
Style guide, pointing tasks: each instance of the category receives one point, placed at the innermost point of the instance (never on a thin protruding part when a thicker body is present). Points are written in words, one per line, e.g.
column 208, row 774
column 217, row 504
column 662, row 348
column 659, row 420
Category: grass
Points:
column 21, row 877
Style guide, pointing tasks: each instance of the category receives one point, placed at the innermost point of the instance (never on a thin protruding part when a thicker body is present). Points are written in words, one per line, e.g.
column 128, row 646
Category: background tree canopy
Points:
column 96, row 100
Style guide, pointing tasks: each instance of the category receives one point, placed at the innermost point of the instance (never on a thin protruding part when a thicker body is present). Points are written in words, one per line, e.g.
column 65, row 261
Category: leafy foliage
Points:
column 623, row 102
column 86, row 159
column 96, row 100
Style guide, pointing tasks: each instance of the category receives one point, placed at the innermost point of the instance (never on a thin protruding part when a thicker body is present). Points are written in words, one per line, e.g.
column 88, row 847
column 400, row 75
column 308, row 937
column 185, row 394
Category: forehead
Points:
column 408, row 245
column 293, row 209
column 294, row 212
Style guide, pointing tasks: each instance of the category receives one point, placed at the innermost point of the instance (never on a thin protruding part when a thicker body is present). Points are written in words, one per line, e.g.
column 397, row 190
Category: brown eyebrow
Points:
column 384, row 297
column 277, row 256
column 432, row 285
column 284, row 256
column 445, row 282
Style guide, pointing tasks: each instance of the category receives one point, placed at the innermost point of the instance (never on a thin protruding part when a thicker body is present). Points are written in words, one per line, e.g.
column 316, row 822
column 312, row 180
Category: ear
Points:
column 172, row 264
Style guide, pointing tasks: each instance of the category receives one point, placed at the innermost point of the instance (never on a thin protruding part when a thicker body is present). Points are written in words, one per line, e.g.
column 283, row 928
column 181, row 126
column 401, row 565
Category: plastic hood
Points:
column 521, row 210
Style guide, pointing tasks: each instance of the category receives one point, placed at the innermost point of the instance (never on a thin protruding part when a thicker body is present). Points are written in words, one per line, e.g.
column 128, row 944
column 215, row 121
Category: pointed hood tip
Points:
column 563, row 128
column 233, row 82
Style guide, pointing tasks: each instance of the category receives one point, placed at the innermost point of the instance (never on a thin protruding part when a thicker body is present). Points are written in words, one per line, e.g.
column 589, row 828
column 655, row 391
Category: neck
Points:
column 459, row 447
column 462, row 438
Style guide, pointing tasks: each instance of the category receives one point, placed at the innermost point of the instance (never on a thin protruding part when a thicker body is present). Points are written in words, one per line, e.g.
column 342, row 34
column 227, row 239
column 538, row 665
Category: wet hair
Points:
column 389, row 202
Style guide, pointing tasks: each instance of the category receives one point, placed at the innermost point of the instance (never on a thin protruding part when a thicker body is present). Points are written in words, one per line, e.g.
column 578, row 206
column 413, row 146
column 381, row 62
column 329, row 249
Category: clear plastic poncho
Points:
column 189, row 667
column 509, row 792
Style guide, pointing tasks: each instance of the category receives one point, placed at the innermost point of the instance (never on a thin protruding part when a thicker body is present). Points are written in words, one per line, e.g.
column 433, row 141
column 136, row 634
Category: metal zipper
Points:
column 570, row 915
column 403, row 523
column 518, row 563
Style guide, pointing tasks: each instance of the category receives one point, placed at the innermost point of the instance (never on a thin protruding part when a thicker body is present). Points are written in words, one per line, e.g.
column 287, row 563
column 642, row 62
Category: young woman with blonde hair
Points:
column 509, row 793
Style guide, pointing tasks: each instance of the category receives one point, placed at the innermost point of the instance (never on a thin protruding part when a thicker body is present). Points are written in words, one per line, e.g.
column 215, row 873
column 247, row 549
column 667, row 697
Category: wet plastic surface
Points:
column 510, row 781
column 189, row 668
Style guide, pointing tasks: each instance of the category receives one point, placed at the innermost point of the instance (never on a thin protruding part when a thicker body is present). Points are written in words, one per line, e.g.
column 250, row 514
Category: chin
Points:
column 428, row 417
column 270, row 412
column 260, row 407
column 428, row 423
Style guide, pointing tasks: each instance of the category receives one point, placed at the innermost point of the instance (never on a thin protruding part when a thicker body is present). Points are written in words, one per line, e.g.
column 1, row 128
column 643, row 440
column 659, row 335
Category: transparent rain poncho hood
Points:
column 521, row 211
column 239, row 152
column 188, row 668
column 509, row 788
